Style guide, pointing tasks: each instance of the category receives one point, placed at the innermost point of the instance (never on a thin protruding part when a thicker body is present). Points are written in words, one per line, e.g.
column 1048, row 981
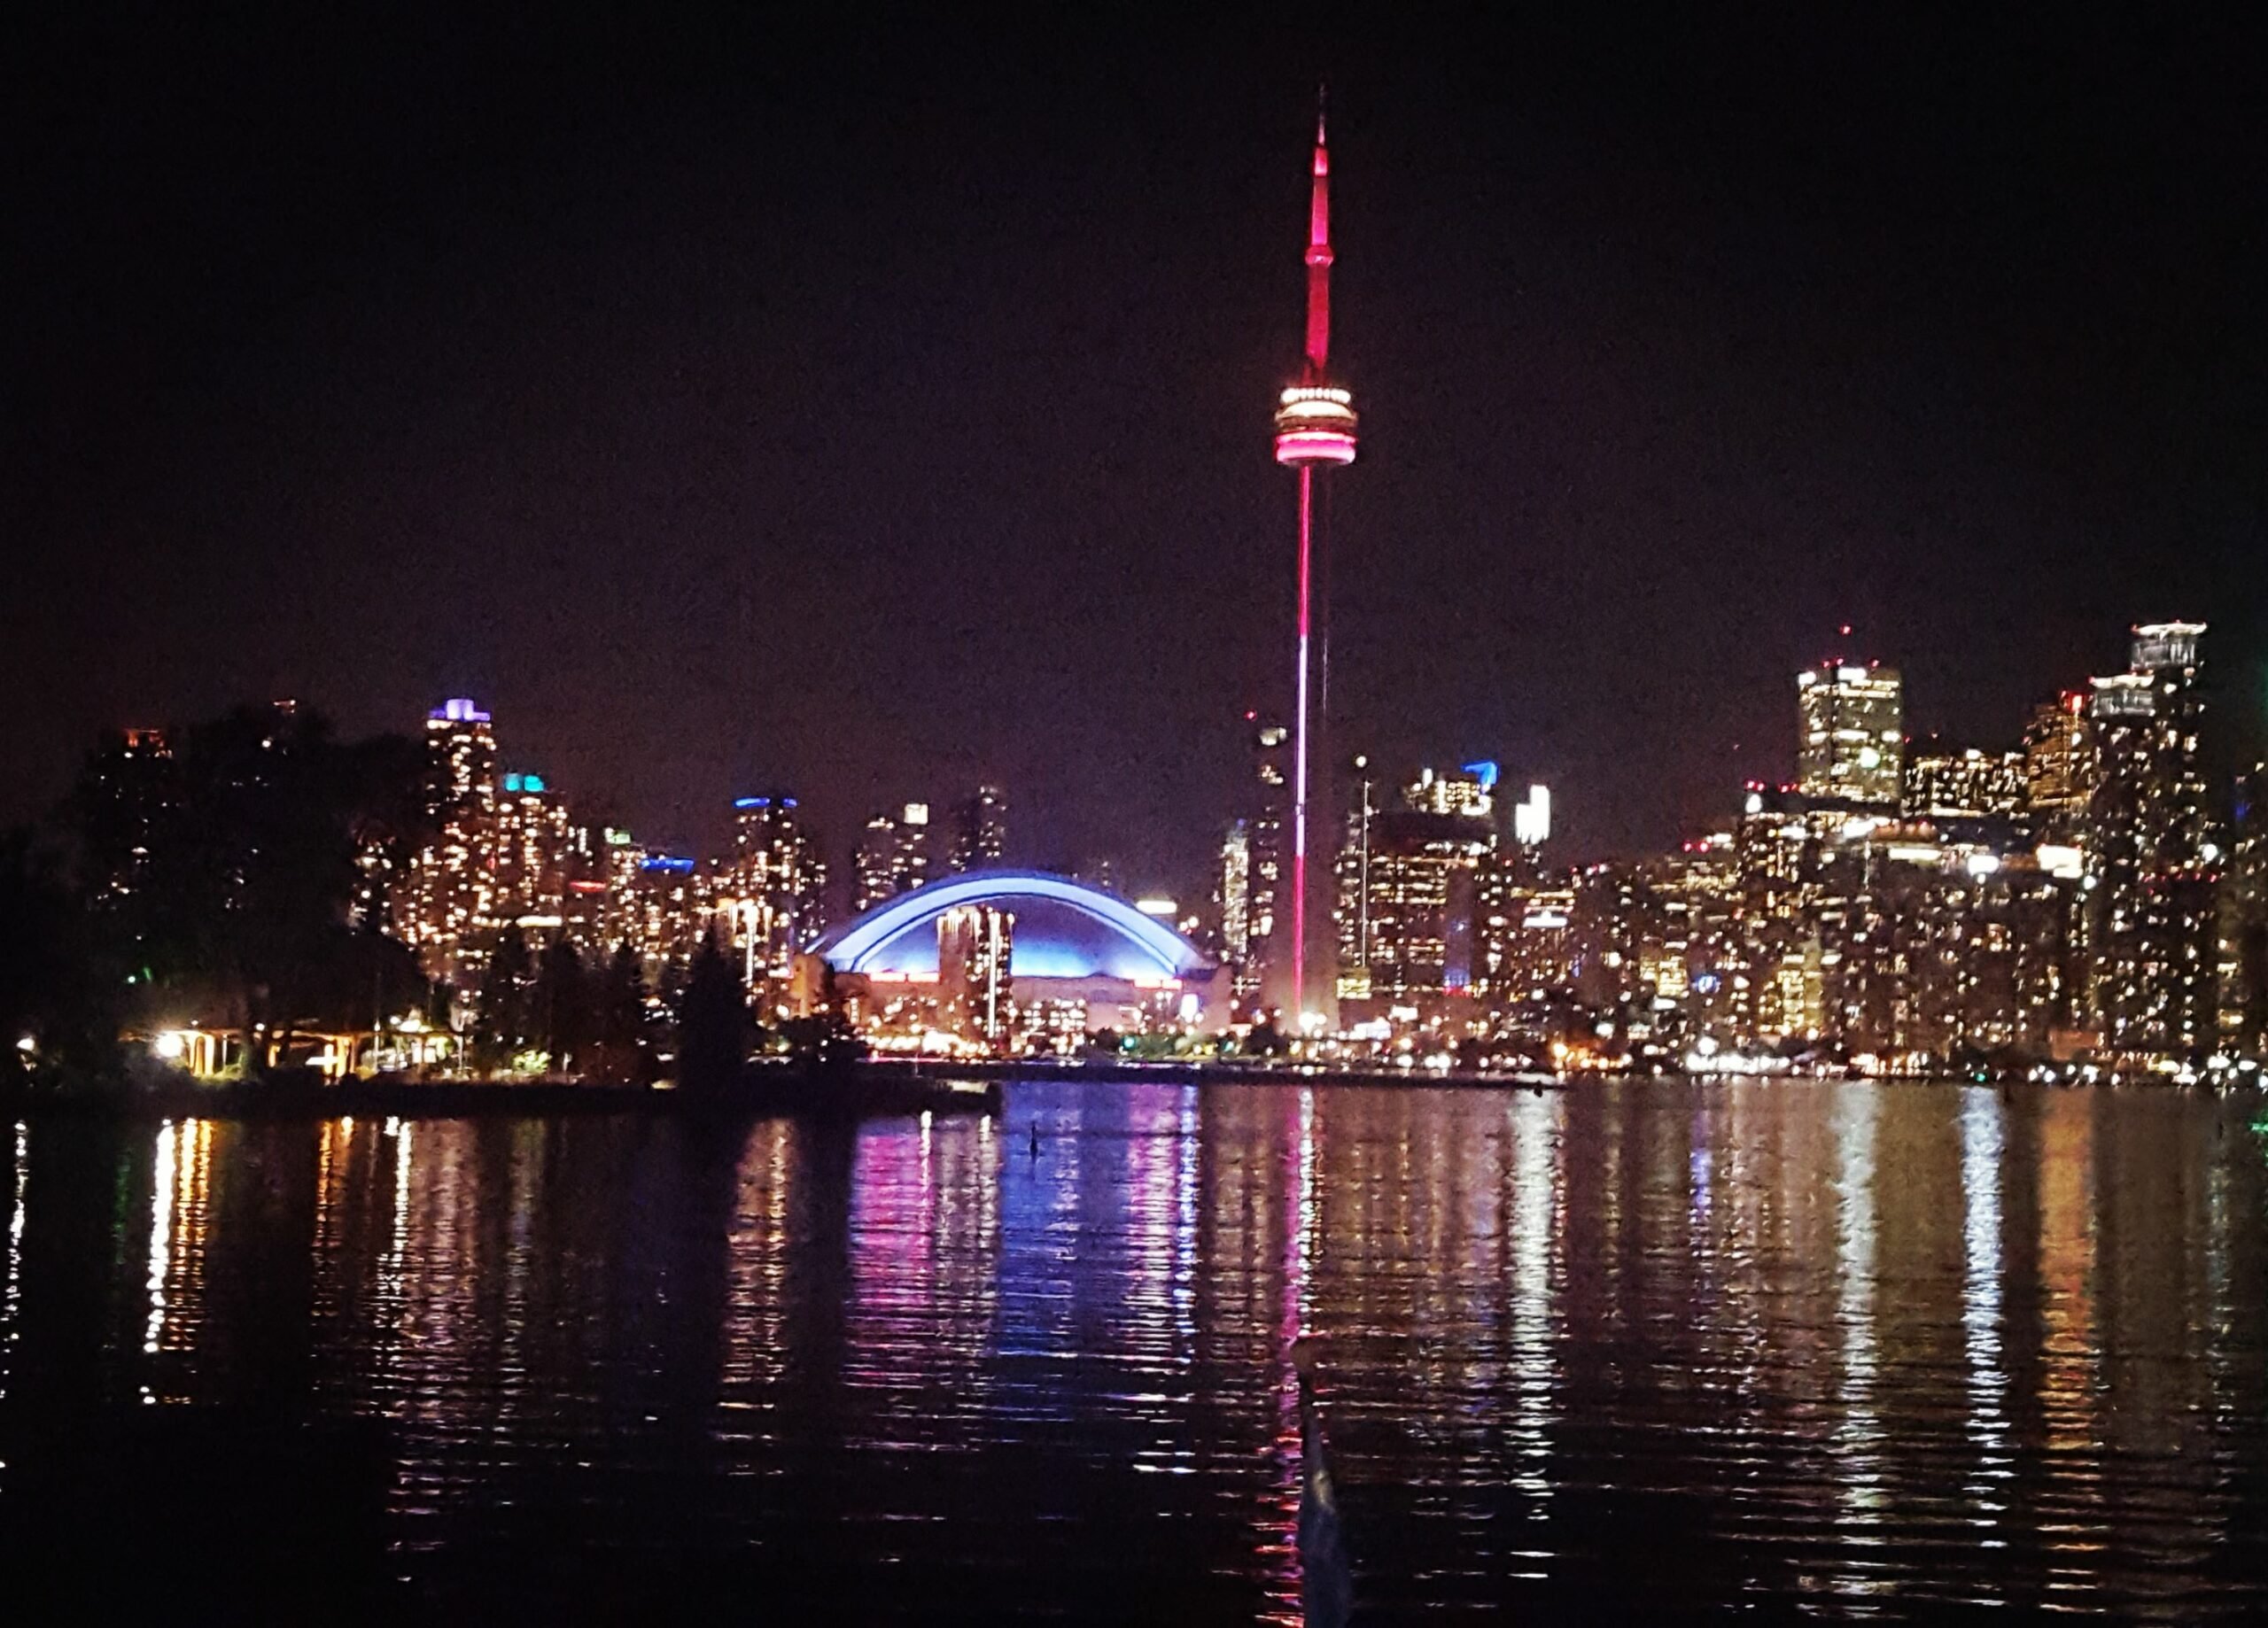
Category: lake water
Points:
column 1636, row 1351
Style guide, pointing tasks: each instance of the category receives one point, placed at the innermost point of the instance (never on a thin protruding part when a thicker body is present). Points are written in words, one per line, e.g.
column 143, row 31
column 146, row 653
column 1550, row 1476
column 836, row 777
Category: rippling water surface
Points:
column 1635, row 1351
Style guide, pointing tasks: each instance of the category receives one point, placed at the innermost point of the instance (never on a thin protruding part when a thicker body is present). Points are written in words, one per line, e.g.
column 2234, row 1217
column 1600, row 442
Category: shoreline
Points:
column 875, row 1088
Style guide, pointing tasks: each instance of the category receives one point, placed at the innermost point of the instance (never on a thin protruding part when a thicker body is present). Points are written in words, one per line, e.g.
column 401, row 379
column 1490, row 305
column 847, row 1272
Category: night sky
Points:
column 733, row 409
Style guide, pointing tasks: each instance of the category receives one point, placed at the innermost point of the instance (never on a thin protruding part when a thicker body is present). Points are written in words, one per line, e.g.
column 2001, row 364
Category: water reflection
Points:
column 1645, row 1349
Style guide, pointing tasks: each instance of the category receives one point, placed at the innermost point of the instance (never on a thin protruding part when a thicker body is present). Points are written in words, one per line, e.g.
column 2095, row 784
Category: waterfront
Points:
column 1636, row 1349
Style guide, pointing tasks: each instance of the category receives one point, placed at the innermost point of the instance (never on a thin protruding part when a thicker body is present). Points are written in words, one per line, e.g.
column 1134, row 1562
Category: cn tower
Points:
column 1315, row 432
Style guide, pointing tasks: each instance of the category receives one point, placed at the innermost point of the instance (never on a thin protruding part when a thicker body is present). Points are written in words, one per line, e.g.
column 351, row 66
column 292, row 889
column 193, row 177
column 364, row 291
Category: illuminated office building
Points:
column 1406, row 902
column 1260, row 843
column 1531, row 819
column 1351, row 901
column 1236, row 893
column 980, row 831
column 1853, row 739
column 1470, row 791
column 1943, row 783
column 2153, row 855
column 2060, row 764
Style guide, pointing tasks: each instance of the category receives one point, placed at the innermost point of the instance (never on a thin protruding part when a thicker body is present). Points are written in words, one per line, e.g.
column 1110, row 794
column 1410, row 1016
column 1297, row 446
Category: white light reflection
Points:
column 401, row 1153
column 161, row 1231
column 1981, row 1142
column 1185, row 1222
column 1310, row 1219
column 11, row 1282
column 1858, row 1429
column 1537, row 1146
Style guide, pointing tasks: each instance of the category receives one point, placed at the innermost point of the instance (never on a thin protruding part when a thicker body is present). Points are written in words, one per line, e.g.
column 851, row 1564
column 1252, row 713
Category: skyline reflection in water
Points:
column 1641, row 1347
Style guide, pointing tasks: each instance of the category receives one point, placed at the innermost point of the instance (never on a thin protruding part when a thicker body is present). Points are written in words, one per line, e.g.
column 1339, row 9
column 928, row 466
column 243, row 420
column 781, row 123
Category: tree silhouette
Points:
column 501, row 1025
column 224, row 876
column 562, row 1004
column 618, row 1019
column 55, row 989
column 714, row 1025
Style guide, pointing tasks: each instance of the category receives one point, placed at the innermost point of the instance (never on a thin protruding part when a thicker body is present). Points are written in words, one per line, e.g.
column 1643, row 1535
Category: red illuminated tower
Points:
column 1314, row 431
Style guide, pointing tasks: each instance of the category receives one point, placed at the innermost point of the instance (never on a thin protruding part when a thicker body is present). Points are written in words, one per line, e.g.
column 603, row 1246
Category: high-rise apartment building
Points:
column 534, row 836
column 777, row 882
column 450, row 901
column 2153, row 858
column 975, row 952
column 1853, row 739
column 980, row 830
column 913, row 866
column 892, row 856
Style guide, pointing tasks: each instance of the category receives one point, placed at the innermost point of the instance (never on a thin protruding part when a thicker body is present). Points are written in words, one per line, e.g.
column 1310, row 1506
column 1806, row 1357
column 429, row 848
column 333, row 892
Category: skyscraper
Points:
column 1853, row 739
column 777, row 882
column 873, row 865
column 452, row 897
column 1414, row 894
column 1236, row 897
column 980, row 830
column 2060, row 764
column 2153, row 858
column 1260, row 842
column 532, row 838
column 1471, row 791
column 912, row 867
column 892, row 856
column 1315, row 432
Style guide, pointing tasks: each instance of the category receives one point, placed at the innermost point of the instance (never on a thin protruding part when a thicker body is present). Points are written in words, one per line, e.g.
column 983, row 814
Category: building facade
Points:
column 1851, row 743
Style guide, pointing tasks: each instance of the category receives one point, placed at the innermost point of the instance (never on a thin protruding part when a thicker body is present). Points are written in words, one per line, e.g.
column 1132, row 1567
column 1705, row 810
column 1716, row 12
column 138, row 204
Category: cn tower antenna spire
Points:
column 1319, row 252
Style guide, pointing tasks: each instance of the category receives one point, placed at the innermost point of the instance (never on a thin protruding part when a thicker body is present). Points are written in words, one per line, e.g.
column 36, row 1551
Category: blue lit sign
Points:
column 1485, row 772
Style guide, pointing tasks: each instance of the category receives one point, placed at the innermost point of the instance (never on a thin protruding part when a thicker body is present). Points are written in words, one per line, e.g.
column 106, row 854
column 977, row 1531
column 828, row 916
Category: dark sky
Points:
column 731, row 408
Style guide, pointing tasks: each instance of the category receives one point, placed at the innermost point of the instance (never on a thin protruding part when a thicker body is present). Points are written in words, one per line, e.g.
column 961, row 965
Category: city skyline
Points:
column 1723, row 415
